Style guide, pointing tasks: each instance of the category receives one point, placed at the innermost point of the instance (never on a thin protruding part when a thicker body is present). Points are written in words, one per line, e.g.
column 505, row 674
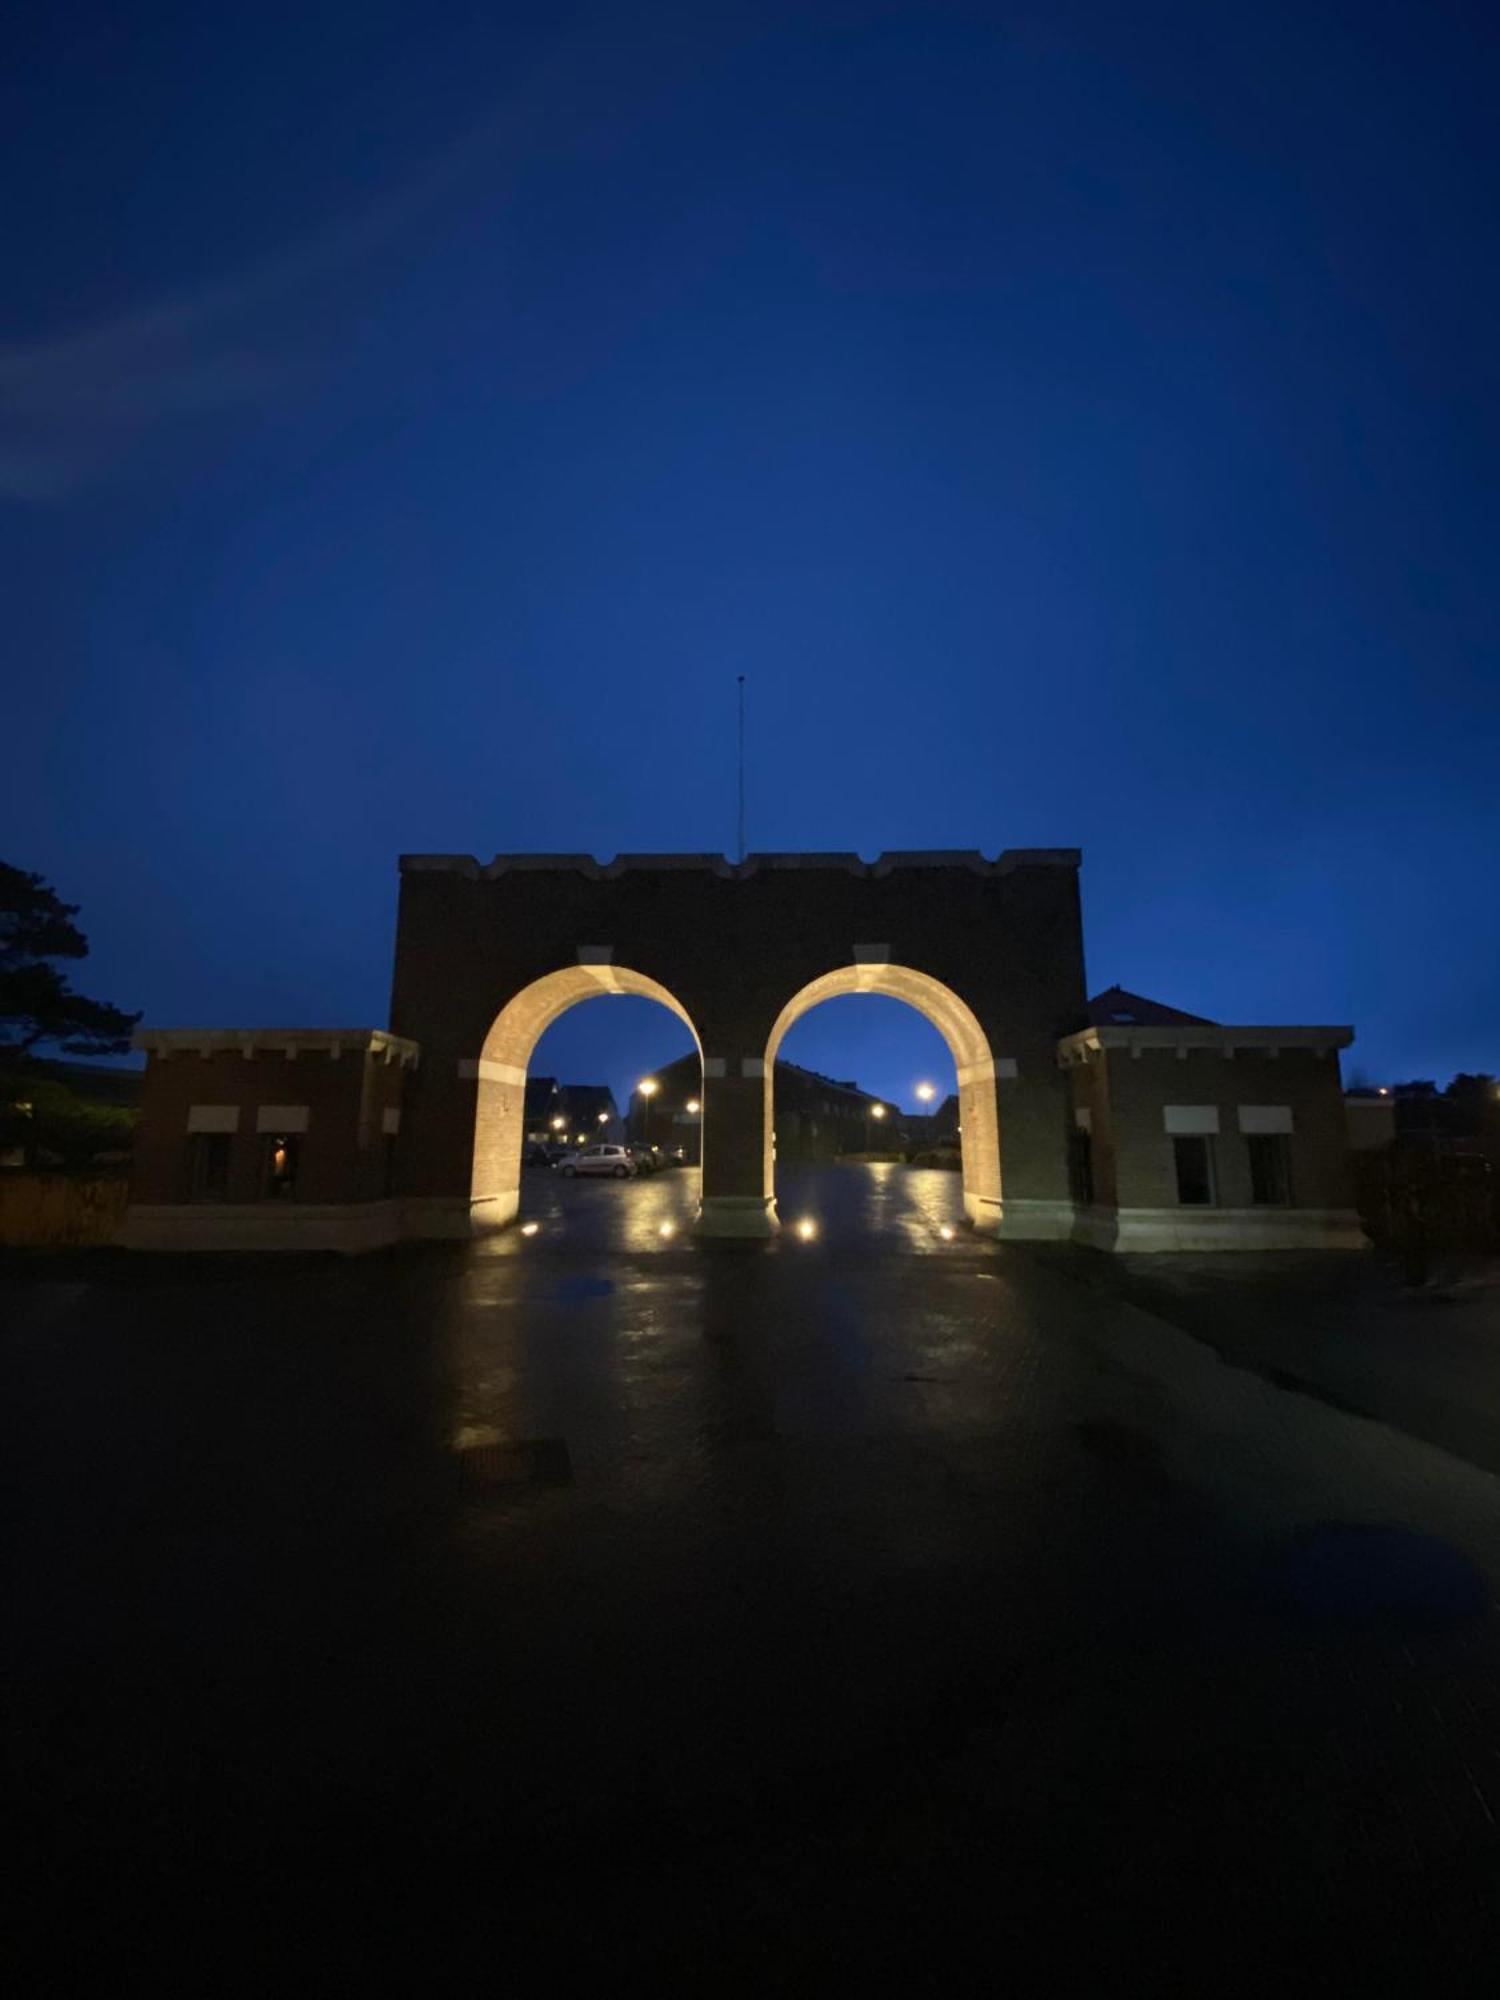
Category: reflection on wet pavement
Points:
column 882, row 1206
column 832, row 1602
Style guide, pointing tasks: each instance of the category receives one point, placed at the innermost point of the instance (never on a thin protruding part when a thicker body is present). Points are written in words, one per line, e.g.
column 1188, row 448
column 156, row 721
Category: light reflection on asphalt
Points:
column 881, row 1205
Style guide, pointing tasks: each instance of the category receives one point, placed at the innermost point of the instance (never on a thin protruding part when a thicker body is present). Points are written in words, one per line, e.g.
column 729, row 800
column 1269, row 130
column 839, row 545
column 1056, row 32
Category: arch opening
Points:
column 504, row 1062
column 967, row 1043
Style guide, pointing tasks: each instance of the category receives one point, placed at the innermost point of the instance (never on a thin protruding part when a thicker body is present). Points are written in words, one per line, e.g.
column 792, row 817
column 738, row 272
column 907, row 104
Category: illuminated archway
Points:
column 500, row 1070
column 956, row 1022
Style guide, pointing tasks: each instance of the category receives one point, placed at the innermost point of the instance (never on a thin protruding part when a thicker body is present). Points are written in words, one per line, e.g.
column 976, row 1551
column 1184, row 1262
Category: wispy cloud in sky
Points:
column 75, row 407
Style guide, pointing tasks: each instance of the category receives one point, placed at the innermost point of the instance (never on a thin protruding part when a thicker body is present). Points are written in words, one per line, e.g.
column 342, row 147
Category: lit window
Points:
column 1270, row 1169
column 282, row 1155
column 1195, row 1170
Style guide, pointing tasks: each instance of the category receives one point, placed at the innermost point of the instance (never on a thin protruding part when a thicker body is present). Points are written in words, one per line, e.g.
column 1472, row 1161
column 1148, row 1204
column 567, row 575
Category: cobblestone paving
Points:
column 880, row 1607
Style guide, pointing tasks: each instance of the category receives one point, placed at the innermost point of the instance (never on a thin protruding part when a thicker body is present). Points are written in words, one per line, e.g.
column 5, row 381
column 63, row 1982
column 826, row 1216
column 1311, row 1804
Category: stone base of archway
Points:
column 737, row 1215
column 453, row 1217
column 1020, row 1221
column 494, row 1211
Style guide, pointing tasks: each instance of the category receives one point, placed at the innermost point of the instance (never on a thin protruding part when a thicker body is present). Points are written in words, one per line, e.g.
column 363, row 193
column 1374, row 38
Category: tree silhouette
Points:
column 37, row 1005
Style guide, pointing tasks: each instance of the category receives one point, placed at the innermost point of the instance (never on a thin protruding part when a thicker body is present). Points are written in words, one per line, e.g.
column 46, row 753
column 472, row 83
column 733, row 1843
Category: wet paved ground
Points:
column 879, row 1608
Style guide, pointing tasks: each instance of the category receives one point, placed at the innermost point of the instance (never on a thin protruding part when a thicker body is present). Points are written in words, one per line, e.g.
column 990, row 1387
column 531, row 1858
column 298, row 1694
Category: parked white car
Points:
column 613, row 1160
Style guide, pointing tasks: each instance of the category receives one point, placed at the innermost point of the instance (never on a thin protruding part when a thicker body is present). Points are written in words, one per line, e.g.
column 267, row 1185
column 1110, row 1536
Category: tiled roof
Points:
column 1115, row 1008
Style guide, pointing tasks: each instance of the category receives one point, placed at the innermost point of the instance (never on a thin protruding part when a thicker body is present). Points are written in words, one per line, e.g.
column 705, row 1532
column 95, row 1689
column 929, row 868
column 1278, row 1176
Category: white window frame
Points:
column 1190, row 1121
column 1266, row 1121
column 290, row 1119
column 213, row 1118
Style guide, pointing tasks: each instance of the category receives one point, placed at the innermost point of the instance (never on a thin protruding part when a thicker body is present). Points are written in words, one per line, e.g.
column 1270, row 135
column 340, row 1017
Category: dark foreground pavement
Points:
column 879, row 1609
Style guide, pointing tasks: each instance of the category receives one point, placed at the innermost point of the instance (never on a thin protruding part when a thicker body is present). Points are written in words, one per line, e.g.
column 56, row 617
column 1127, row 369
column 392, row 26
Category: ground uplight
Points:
column 807, row 1229
column 667, row 1229
column 947, row 1232
column 530, row 1228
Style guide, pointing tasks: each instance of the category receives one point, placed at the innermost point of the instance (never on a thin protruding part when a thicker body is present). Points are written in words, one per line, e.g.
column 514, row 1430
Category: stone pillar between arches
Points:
column 738, row 1197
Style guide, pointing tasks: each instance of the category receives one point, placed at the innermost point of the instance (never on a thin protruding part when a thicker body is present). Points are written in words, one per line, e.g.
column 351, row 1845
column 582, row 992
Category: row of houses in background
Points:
column 1426, row 1163
column 1465, row 1117
column 817, row 1117
column 570, row 1114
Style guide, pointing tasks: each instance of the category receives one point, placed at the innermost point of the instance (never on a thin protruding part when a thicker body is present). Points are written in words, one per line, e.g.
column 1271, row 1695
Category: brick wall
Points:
column 1128, row 1096
column 733, row 947
column 343, row 1152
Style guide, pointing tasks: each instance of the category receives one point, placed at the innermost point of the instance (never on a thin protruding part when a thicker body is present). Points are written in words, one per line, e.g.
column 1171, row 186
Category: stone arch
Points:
column 501, row 1067
column 973, row 1060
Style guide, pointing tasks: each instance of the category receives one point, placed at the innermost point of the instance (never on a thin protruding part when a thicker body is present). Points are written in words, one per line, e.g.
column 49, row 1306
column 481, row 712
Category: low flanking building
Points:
column 268, row 1139
column 1189, row 1135
column 1121, row 1123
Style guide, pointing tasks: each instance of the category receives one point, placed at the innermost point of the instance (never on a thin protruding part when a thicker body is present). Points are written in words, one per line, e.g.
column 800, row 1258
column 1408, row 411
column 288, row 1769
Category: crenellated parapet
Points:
column 960, row 859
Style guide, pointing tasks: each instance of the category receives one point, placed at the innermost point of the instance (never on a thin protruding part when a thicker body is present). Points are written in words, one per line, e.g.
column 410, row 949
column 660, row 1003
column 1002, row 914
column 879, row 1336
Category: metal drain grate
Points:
column 485, row 1468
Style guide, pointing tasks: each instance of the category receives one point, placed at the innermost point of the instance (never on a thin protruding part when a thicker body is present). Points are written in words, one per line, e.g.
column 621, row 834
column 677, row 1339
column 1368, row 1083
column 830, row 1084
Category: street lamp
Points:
column 926, row 1093
column 876, row 1111
column 692, row 1107
column 559, row 1124
column 648, row 1087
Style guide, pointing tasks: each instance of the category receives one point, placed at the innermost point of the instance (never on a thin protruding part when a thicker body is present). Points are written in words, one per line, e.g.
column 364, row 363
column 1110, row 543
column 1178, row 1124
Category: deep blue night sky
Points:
column 1079, row 423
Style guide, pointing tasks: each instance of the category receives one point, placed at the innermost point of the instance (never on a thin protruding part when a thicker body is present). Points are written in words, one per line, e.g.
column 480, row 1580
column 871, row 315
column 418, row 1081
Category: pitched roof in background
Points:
column 542, row 1097
column 586, row 1100
column 1115, row 1008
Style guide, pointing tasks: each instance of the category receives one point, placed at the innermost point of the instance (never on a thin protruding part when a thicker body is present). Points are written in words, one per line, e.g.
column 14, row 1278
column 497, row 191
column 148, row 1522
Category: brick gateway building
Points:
column 1124, row 1135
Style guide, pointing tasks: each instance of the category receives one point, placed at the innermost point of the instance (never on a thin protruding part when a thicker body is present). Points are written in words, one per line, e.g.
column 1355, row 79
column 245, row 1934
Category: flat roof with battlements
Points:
column 1004, row 863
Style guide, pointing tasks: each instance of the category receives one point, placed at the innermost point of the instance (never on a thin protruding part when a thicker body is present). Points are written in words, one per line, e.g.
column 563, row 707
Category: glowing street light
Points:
column 877, row 1111
column 559, row 1124
column 926, row 1092
column 692, row 1107
column 648, row 1087
column 603, row 1117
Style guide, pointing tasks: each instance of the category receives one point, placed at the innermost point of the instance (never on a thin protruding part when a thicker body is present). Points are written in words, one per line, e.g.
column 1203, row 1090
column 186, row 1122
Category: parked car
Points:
column 612, row 1160
column 647, row 1159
